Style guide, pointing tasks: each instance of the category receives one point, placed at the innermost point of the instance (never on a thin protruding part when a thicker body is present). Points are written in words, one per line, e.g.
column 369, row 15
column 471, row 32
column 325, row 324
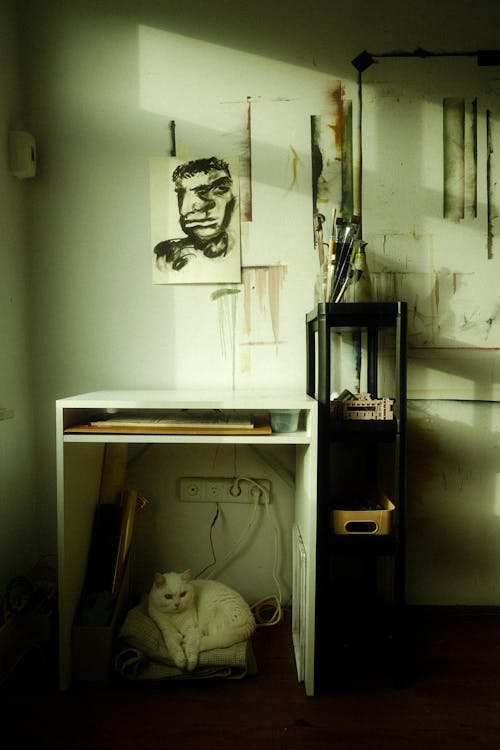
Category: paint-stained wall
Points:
column 430, row 172
column 107, row 85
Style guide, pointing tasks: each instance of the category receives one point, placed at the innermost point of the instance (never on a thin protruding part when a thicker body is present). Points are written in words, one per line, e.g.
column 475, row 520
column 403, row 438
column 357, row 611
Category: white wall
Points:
column 18, row 508
column 101, row 83
column 453, row 509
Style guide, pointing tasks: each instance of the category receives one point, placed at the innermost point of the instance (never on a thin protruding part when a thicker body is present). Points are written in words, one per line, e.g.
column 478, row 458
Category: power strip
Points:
column 223, row 490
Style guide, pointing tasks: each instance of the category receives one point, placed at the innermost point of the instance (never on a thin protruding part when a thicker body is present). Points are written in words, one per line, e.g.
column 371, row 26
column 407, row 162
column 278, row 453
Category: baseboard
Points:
column 451, row 610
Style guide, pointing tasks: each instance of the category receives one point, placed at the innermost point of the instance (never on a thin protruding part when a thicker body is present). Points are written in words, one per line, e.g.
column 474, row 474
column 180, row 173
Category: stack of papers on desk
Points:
column 189, row 418
column 178, row 422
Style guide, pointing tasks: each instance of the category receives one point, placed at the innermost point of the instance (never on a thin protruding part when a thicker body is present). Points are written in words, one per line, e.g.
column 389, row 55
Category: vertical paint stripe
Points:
column 489, row 184
column 453, row 158
column 249, row 209
column 326, row 153
column 347, row 163
column 173, row 145
column 247, row 300
column 470, row 157
column 246, row 198
column 474, row 151
column 264, row 282
column 261, row 286
column 275, row 279
column 316, row 161
column 358, row 180
column 295, row 161
column 337, row 118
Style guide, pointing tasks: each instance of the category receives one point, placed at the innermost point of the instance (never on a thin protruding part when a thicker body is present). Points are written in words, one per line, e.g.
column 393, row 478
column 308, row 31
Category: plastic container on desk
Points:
column 284, row 421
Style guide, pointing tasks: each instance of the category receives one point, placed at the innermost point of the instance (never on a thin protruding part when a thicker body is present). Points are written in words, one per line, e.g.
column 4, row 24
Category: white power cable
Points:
column 259, row 489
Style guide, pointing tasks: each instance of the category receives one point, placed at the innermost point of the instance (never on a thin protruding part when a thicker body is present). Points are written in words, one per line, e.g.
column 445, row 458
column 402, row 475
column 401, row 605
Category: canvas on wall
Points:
column 427, row 205
column 430, row 206
column 195, row 220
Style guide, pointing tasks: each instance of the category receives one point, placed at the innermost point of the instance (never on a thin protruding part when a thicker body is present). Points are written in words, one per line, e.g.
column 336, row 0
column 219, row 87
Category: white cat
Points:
column 197, row 615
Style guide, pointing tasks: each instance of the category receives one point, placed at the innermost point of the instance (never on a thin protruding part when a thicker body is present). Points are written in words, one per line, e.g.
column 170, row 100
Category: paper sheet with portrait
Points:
column 195, row 221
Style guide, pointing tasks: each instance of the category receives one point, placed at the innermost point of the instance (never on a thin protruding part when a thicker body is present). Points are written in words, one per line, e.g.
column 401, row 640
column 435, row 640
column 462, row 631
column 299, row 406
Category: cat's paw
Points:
column 192, row 662
column 179, row 658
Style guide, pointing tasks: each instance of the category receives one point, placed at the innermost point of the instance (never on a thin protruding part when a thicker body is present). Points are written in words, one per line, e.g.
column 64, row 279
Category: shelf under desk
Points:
column 80, row 456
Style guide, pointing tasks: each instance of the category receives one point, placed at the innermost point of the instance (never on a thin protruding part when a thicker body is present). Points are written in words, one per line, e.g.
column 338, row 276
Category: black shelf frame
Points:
column 372, row 318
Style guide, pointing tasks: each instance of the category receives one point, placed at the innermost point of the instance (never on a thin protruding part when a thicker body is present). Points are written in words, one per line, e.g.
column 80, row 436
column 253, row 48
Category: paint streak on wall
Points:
column 459, row 159
column 335, row 98
column 493, row 184
column 470, row 167
column 261, row 288
column 490, row 183
column 226, row 299
column 246, row 166
column 453, row 158
column 436, row 290
column 347, row 207
column 332, row 157
column 173, row 145
column 326, row 153
column 295, row 161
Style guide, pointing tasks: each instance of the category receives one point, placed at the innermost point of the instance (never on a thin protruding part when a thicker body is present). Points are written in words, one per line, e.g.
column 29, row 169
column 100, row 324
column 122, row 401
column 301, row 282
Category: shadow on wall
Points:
column 453, row 509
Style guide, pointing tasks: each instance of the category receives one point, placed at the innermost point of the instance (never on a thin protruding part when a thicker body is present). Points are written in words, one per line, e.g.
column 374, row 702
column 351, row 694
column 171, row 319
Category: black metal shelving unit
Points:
column 360, row 596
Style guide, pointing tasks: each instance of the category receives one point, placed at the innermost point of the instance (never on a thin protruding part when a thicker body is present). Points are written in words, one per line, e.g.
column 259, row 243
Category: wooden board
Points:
column 261, row 427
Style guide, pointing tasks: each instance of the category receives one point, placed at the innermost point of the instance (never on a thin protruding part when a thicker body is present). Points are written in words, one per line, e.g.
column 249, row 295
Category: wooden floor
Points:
column 452, row 700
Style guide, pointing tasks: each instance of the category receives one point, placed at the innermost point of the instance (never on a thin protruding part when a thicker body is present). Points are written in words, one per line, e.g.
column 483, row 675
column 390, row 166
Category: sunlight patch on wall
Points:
column 214, row 93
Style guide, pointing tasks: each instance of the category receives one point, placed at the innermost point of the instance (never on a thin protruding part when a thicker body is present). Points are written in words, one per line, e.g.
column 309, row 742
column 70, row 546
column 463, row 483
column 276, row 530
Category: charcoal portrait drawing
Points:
column 195, row 224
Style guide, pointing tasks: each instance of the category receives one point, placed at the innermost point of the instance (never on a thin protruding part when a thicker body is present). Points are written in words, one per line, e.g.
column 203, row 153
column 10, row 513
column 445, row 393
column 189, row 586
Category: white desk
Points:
column 79, row 469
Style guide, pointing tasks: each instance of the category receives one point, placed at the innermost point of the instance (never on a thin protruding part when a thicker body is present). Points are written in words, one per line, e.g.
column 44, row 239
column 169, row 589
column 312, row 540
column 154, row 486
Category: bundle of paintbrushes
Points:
column 338, row 266
column 344, row 274
column 344, row 239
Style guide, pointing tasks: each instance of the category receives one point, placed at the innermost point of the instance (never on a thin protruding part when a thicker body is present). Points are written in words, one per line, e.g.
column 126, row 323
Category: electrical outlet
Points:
column 193, row 490
column 214, row 491
column 223, row 490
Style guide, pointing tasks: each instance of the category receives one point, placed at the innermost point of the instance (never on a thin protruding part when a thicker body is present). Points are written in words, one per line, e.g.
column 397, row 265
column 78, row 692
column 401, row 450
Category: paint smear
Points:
column 326, row 166
column 173, row 146
column 489, row 185
column 246, row 166
column 436, row 290
column 295, row 161
column 334, row 97
column 470, row 160
column 347, row 207
column 453, row 158
column 226, row 300
column 274, row 285
column 223, row 292
column 262, row 287
column 326, row 152
column 316, row 161
column 332, row 157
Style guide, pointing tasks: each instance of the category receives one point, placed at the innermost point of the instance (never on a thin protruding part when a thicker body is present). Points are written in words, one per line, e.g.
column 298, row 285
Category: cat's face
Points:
column 172, row 592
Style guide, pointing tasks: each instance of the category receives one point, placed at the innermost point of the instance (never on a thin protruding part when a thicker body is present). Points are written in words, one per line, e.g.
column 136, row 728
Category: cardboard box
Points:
column 371, row 521
column 93, row 647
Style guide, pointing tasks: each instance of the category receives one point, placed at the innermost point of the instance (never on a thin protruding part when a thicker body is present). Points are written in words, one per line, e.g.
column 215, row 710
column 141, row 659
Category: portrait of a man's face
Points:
column 195, row 221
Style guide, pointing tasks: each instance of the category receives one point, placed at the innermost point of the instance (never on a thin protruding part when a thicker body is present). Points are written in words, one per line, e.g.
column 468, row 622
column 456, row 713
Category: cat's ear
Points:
column 186, row 576
column 159, row 579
